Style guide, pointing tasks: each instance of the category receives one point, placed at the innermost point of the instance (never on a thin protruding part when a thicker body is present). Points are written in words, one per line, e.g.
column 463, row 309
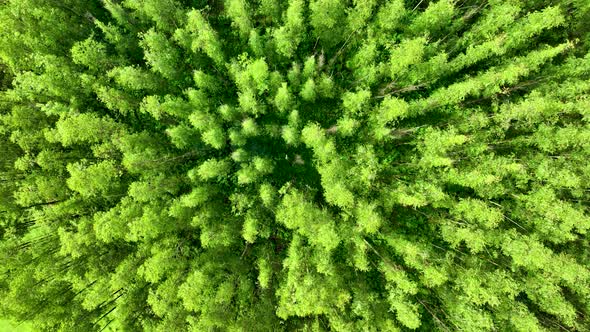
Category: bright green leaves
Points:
column 240, row 155
column 336, row 190
column 161, row 54
column 94, row 180
column 314, row 137
column 263, row 165
column 254, row 170
column 490, row 82
column 308, row 91
column 257, row 43
column 92, row 54
column 311, row 83
column 408, row 52
column 212, row 168
column 268, row 194
column 356, row 103
column 308, row 293
column 527, row 113
column 166, row 14
column 160, row 187
column 551, row 299
column 515, row 37
column 182, row 136
column 435, row 145
column 197, row 290
column 367, row 170
column 247, row 175
column 359, row 15
column 419, row 256
column 132, row 78
column 549, row 270
column 253, row 80
column 117, row 100
column 51, row 80
column 527, row 252
column 295, row 165
column 495, row 18
column 326, row 18
column 363, row 63
column 399, row 286
column 259, row 73
column 248, row 102
column 289, row 36
column 554, row 219
column 238, row 11
column 560, row 174
column 297, row 213
column 201, row 37
column 253, row 77
column 533, row 23
column 197, row 197
column 434, row 19
column 489, row 288
column 265, row 273
column 418, row 194
column 390, row 110
column 40, row 191
column 309, row 68
column 161, row 263
column 552, row 140
column 212, row 133
column 198, row 99
column 215, row 137
column 250, row 127
column 346, row 126
column 142, row 154
column 283, row 99
column 164, row 298
column 390, row 15
column 205, row 81
column 83, row 128
column 250, row 231
column 213, row 295
column 112, row 225
column 368, row 218
column 477, row 212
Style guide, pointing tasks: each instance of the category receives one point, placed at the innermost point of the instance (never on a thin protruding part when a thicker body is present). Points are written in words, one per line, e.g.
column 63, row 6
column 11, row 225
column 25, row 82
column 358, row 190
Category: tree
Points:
column 322, row 165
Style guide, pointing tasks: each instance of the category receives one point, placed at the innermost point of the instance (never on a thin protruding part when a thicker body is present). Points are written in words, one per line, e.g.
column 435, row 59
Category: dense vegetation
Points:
column 314, row 165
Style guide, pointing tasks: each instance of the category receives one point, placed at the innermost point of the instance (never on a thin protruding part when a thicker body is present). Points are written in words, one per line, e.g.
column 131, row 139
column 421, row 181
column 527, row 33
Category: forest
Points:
column 295, row 165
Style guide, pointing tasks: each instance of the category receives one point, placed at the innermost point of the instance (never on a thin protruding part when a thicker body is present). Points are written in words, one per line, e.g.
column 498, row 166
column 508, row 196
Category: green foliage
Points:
column 94, row 180
column 289, row 36
column 213, row 169
column 161, row 54
column 326, row 18
column 322, row 165
column 237, row 10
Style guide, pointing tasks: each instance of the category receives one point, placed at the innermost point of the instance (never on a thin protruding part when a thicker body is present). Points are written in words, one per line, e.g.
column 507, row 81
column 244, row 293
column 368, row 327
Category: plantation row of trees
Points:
column 313, row 165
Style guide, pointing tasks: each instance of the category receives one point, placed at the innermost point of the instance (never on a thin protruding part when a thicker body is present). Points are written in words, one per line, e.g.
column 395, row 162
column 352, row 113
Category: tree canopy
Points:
column 300, row 165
